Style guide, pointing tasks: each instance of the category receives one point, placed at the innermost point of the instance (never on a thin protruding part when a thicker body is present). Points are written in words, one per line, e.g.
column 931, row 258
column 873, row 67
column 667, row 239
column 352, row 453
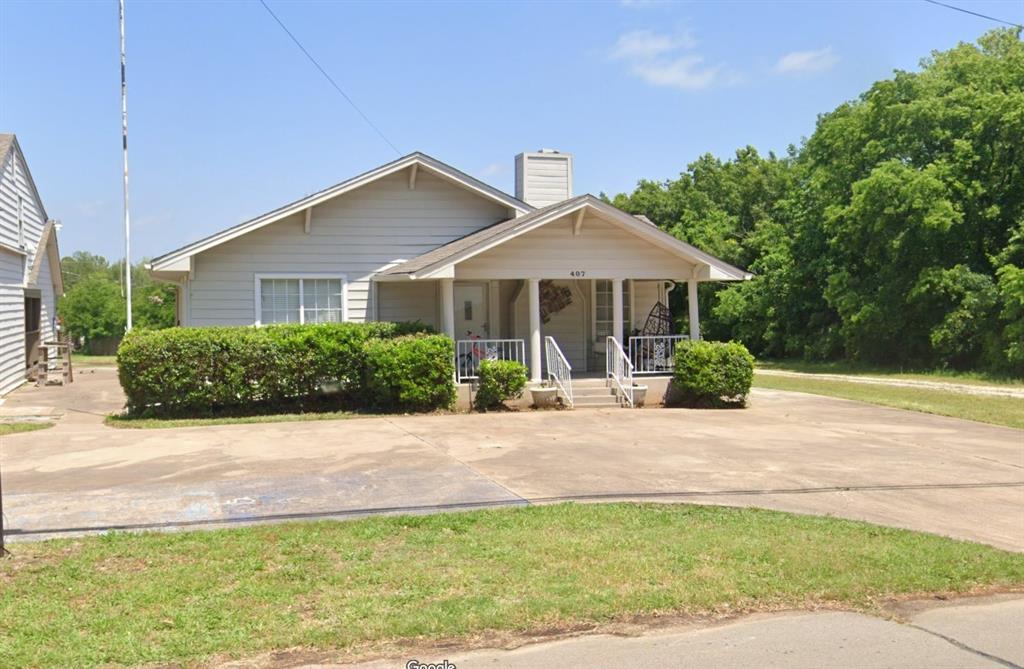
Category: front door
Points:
column 471, row 311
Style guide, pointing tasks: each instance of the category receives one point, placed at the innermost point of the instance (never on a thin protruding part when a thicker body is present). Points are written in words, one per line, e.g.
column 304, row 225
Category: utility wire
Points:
column 967, row 11
column 328, row 77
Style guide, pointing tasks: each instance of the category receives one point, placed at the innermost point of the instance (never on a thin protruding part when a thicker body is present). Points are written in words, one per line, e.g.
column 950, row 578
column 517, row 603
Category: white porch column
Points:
column 691, row 302
column 617, row 310
column 535, row 366
column 448, row 307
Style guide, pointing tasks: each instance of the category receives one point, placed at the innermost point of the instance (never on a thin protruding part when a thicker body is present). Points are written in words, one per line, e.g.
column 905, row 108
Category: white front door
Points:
column 471, row 311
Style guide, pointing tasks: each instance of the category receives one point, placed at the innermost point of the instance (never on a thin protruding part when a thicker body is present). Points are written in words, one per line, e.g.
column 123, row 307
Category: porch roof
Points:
column 434, row 263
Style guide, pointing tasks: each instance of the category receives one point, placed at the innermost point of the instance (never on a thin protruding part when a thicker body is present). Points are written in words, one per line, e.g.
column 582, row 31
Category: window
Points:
column 321, row 300
column 604, row 315
column 288, row 299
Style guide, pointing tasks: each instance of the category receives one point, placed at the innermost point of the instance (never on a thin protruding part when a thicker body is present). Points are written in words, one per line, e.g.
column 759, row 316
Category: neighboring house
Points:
column 417, row 239
column 30, row 277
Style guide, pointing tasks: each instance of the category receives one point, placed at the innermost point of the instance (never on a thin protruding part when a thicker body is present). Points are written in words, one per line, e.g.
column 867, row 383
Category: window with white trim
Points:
column 301, row 299
column 604, row 315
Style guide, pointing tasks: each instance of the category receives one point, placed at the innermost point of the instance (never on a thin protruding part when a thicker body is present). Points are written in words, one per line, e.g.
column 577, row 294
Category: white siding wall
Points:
column 645, row 294
column 12, row 321
column 355, row 234
column 14, row 182
column 601, row 250
column 48, row 301
column 411, row 301
column 570, row 327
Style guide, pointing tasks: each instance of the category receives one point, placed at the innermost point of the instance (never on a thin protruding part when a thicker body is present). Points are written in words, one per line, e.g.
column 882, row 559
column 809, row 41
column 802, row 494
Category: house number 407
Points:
column 577, row 273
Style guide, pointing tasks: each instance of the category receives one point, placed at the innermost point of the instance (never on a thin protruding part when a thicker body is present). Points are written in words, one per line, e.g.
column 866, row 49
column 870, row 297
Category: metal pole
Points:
column 124, row 147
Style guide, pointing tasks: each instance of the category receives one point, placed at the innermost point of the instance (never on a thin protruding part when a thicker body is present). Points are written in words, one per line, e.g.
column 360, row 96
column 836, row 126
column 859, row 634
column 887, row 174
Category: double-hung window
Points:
column 299, row 299
column 604, row 315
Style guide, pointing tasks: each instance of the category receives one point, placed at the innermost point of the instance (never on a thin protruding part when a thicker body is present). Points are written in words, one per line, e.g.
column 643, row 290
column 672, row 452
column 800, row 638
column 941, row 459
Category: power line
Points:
column 328, row 77
column 967, row 11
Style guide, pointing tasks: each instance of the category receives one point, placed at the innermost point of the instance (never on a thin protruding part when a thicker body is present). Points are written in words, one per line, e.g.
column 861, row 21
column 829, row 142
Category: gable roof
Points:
column 421, row 160
column 47, row 248
column 423, row 266
column 8, row 145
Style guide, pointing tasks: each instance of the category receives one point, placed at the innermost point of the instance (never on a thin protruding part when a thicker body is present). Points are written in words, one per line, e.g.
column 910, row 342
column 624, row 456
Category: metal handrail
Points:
column 654, row 354
column 619, row 369
column 559, row 369
column 470, row 352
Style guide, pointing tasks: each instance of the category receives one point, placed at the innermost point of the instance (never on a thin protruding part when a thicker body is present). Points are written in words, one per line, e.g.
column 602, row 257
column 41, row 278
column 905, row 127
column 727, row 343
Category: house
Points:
column 543, row 273
column 30, row 276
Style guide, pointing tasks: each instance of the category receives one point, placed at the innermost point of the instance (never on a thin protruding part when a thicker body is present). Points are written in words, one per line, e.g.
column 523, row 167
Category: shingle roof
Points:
column 482, row 236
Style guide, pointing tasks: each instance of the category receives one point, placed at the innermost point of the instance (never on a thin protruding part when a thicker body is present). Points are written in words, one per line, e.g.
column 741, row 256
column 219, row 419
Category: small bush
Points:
column 204, row 371
column 500, row 381
column 712, row 374
column 410, row 373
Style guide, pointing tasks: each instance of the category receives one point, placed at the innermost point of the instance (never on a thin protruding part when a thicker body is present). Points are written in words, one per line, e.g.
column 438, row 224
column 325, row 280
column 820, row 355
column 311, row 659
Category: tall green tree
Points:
column 895, row 234
column 93, row 306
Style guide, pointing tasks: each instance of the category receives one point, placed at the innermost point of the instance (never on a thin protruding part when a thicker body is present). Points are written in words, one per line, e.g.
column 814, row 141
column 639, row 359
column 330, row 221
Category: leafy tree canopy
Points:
column 894, row 234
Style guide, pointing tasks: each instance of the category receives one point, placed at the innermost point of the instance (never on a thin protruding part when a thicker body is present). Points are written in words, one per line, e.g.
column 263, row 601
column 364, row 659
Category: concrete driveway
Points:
column 787, row 451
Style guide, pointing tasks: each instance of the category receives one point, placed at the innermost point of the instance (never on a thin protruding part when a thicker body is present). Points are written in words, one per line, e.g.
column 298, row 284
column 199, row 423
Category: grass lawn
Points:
column 85, row 360
column 15, row 428
column 157, row 598
column 158, row 423
column 857, row 369
column 1008, row 411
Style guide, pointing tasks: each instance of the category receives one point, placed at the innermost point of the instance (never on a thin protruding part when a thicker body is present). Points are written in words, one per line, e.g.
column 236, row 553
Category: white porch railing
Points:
column 559, row 369
column 654, row 354
column 469, row 353
column 619, row 369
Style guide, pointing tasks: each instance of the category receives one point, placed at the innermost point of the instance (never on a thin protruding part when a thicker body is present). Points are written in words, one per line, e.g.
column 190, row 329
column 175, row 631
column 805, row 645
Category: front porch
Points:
column 575, row 288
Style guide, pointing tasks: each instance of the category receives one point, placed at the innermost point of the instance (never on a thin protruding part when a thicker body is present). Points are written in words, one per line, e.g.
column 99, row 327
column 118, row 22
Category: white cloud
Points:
column 646, row 44
column 807, row 61
column 668, row 60
column 685, row 73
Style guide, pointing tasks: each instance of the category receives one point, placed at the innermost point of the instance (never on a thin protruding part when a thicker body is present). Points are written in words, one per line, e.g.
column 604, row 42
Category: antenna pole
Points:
column 124, row 149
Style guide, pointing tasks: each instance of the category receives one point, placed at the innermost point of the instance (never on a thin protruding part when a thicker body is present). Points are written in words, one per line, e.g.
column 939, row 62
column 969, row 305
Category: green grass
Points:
column 163, row 598
column 85, row 360
column 15, row 428
column 122, row 421
column 1008, row 411
column 859, row 369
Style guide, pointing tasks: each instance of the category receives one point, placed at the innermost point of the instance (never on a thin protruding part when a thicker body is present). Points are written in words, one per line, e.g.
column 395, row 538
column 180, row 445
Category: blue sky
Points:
column 227, row 119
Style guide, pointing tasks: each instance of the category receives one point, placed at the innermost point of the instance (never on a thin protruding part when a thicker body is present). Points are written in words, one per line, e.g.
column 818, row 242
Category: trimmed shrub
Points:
column 500, row 381
column 712, row 374
column 202, row 371
column 410, row 373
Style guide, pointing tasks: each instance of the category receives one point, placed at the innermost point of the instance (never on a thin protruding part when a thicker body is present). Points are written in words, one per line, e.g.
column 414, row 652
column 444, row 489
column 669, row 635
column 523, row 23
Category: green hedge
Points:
column 414, row 373
column 712, row 374
column 202, row 371
column 499, row 382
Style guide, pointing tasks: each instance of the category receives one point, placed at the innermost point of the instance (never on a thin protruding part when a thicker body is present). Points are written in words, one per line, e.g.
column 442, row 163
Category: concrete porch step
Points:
column 594, row 402
column 591, row 392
